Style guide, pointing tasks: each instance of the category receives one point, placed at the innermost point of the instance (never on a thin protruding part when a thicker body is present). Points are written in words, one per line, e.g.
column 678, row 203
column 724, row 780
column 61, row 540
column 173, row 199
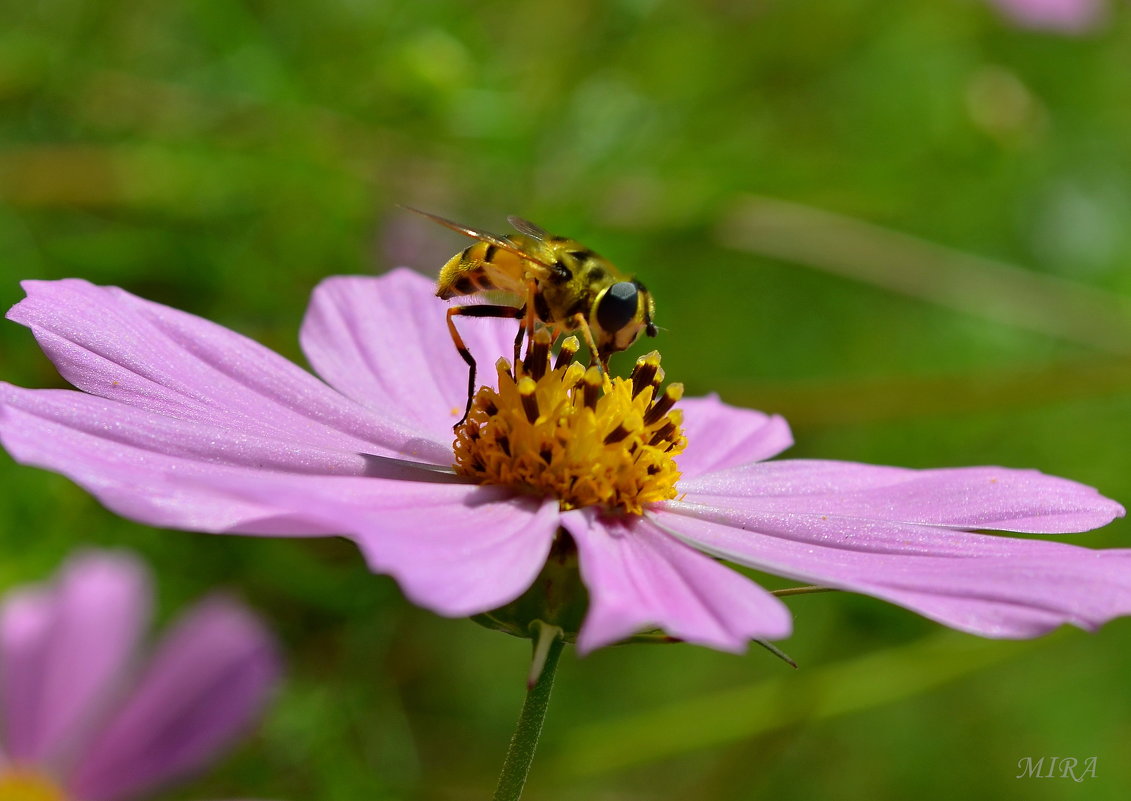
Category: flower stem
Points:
column 548, row 645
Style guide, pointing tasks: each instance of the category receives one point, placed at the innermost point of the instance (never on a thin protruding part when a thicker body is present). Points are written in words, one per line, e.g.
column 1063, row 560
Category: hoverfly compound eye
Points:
column 618, row 306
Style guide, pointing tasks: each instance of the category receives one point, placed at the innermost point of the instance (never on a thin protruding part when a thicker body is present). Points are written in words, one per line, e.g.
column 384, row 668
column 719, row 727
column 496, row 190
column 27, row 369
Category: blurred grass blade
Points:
column 902, row 263
column 806, row 696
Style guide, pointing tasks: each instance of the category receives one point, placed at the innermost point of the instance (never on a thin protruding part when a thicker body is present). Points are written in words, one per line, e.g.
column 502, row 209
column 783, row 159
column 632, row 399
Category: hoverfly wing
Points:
column 482, row 236
column 530, row 229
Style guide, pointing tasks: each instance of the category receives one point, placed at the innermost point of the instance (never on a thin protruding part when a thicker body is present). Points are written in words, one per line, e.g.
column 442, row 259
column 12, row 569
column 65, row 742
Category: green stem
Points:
column 548, row 645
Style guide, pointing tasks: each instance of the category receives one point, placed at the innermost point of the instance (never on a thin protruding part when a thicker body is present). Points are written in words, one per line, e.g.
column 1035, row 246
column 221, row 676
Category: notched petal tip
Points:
column 970, row 498
column 639, row 577
column 986, row 584
column 45, row 299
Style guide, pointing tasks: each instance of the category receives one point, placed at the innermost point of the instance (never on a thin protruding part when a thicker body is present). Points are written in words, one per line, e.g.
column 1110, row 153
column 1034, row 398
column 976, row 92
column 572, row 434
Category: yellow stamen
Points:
column 569, row 349
column 20, row 785
column 574, row 434
column 645, row 372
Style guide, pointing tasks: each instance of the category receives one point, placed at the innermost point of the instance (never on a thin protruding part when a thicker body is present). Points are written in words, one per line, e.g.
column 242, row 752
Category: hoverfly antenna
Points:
column 649, row 326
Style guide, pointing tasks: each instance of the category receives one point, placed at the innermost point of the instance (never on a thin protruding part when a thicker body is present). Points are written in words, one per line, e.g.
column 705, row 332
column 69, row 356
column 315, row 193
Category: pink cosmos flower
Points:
column 1064, row 16
column 185, row 424
column 85, row 719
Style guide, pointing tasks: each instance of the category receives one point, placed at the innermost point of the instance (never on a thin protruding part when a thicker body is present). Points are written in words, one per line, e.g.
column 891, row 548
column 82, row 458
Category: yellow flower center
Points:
column 20, row 785
column 573, row 433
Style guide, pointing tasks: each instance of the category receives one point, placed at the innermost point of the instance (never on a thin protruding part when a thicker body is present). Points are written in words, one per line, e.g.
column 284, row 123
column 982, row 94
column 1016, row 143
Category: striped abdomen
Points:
column 483, row 267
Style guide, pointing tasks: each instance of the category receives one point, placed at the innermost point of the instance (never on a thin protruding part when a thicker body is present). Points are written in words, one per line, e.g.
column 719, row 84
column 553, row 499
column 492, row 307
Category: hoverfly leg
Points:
column 506, row 312
column 595, row 356
column 518, row 348
column 465, row 354
column 528, row 315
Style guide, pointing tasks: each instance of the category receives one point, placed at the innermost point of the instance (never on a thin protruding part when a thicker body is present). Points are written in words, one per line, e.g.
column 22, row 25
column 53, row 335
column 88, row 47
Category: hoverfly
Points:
column 559, row 284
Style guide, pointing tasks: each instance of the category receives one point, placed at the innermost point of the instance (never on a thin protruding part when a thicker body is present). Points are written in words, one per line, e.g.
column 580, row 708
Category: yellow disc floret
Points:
column 20, row 785
column 574, row 433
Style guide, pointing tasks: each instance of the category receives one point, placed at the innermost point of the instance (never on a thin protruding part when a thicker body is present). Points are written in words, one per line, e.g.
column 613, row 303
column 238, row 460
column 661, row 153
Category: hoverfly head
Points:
column 620, row 312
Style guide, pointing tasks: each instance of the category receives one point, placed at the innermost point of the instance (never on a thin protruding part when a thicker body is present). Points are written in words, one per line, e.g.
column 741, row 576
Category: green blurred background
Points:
column 903, row 225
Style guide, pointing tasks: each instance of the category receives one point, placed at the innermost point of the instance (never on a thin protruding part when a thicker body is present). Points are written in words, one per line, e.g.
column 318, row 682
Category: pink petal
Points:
column 963, row 497
column 720, row 436
column 65, row 649
column 25, row 628
column 457, row 549
column 1065, row 16
column 384, row 342
column 861, row 540
column 640, row 577
column 143, row 465
column 453, row 546
column 110, row 343
column 208, row 680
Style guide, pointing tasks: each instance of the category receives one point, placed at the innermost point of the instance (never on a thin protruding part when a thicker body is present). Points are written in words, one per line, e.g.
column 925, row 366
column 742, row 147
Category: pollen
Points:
column 564, row 431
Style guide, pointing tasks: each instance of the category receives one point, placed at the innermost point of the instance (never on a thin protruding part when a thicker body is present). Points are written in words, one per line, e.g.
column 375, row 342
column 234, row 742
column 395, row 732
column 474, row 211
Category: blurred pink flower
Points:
column 1065, row 16
column 85, row 718
column 183, row 423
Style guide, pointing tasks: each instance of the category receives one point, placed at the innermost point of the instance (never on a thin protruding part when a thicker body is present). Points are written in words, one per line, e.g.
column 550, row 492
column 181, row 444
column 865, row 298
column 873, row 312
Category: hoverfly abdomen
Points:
column 477, row 269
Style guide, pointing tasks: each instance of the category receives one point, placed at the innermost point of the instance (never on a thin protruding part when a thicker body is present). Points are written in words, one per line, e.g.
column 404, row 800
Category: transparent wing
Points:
column 484, row 236
column 528, row 228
